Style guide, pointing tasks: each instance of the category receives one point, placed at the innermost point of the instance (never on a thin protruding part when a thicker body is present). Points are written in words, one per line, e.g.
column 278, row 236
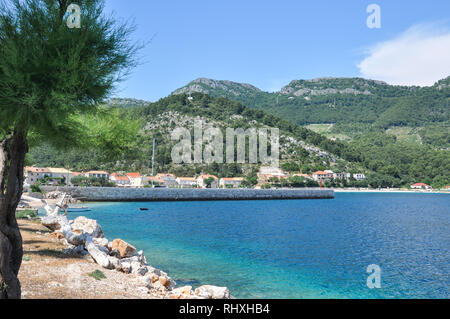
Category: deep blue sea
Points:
column 296, row 248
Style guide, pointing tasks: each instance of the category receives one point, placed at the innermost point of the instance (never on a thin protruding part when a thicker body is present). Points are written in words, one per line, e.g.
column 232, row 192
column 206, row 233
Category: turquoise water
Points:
column 295, row 249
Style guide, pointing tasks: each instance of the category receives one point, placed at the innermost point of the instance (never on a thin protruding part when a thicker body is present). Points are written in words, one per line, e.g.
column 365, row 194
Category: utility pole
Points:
column 153, row 161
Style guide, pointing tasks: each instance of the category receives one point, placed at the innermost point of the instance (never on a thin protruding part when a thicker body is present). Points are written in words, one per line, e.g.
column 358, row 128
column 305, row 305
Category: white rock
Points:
column 187, row 290
column 52, row 222
column 140, row 271
column 101, row 242
column 142, row 258
column 99, row 256
column 213, row 292
column 115, row 262
column 158, row 286
column 89, row 226
column 71, row 237
column 125, row 266
column 103, row 249
column 154, row 271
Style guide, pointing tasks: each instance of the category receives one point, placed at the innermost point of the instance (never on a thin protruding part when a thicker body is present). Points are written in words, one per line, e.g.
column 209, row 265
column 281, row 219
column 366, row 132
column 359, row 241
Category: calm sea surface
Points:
column 295, row 249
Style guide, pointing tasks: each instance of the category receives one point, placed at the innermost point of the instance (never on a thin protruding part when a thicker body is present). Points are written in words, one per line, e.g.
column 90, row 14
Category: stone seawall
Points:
column 176, row 194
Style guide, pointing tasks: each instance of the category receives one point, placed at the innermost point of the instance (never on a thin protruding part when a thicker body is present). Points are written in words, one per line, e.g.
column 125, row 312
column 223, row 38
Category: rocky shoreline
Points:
column 85, row 237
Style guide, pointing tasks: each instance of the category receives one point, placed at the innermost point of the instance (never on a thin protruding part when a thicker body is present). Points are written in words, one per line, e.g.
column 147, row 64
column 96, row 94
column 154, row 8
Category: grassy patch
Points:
column 405, row 134
column 25, row 214
column 26, row 258
column 328, row 131
column 320, row 128
column 97, row 275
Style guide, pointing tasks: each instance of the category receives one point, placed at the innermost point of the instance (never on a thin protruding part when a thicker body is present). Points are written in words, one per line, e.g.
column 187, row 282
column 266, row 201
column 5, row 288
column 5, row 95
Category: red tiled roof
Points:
column 122, row 178
column 320, row 173
column 420, row 184
column 134, row 175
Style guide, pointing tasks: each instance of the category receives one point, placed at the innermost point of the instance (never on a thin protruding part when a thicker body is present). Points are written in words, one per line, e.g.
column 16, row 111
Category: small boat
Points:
column 78, row 209
column 143, row 208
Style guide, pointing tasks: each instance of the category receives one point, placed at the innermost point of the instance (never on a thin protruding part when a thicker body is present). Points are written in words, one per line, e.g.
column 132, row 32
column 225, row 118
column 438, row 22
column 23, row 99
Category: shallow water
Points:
column 297, row 248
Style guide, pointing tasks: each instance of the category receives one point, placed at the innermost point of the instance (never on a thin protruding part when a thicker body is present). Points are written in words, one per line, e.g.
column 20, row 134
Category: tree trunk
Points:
column 12, row 158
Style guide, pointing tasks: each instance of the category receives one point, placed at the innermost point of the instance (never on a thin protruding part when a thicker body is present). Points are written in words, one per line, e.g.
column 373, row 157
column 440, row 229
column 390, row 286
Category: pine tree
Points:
column 51, row 78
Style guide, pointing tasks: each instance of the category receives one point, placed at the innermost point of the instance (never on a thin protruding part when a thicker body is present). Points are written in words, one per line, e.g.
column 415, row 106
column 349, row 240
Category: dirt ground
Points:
column 48, row 273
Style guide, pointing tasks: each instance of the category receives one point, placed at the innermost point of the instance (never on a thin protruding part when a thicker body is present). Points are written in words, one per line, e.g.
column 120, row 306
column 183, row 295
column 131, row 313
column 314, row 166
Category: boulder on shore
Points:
column 124, row 248
column 89, row 226
column 52, row 222
column 101, row 257
column 213, row 292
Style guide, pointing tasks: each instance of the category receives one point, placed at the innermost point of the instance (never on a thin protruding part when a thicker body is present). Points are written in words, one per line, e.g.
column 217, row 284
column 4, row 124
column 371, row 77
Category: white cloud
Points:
column 419, row 56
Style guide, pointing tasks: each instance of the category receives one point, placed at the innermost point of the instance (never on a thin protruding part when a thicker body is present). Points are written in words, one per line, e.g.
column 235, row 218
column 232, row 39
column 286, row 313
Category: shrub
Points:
column 25, row 214
column 97, row 275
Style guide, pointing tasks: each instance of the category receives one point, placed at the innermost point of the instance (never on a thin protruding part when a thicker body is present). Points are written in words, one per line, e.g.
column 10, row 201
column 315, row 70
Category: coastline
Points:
column 74, row 247
column 341, row 190
column 49, row 272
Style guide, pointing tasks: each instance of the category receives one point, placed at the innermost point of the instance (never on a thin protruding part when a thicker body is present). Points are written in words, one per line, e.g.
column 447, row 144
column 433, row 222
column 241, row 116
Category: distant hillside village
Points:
column 267, row 177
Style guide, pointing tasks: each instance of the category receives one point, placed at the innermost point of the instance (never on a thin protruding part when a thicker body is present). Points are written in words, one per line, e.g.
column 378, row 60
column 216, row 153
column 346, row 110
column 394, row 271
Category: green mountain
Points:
column 386, row 162
column 339, row 100
column 348, row 106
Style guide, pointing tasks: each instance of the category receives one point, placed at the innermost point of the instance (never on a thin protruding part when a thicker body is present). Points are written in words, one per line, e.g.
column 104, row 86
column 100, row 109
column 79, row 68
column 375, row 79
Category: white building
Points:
column 168, row 180
column 62, row 173
column 322, row 176
column 342, row 176
column 34, row 174
column 201, row 181
column 359, row 177
column 97, row 174
column 121, row 181
column 186, row 182
column 421, row 186
column 137, row 180
column 232, row 182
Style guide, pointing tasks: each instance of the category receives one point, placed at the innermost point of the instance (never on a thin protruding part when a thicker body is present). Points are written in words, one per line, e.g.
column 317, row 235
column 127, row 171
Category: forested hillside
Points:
column 340, row 100
column 386, row 162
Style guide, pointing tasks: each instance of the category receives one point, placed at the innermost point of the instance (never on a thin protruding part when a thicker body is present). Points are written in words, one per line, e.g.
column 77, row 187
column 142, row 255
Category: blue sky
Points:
column 270, row 43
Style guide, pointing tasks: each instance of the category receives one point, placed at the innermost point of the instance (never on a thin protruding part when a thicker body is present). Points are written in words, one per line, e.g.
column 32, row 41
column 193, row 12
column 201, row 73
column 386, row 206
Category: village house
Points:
column 34, row 174
column 342, row 176
column 186, row 182
column 137, row 180
column 61, row 173
column 121, row 181
column 266, row 174
column 97, row 174
column 421, row 186
column 322, row 175
column 201, row 181
column 156, row 181
column 231, row 182
column 359, row 177
column 168, row 180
